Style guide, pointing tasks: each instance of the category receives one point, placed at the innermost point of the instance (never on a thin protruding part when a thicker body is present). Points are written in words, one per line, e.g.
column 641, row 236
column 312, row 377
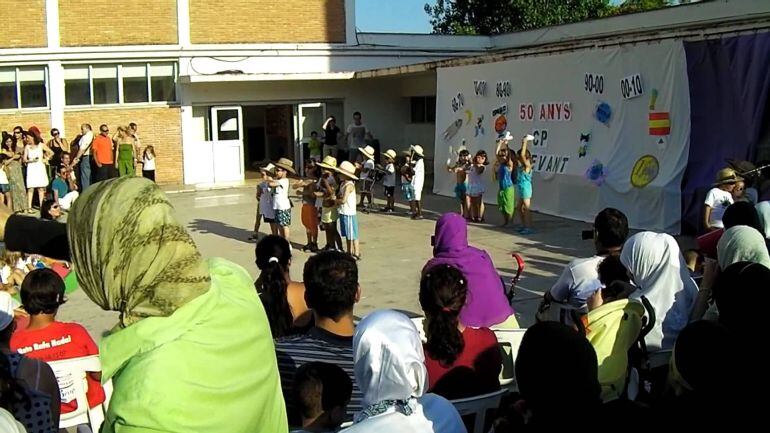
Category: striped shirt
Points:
column 317, row 345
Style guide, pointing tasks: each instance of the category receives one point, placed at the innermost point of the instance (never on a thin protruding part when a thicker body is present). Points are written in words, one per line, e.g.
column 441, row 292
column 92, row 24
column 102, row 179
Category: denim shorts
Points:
column 5, row 187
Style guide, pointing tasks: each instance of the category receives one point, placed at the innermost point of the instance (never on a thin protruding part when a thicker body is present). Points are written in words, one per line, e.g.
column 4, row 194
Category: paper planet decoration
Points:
column 603, row 112
column 501, row 124
column 645, row 171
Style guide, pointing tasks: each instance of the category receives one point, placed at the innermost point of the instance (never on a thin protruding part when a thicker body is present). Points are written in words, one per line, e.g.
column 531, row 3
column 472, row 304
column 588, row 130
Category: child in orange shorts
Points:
column 309, row 211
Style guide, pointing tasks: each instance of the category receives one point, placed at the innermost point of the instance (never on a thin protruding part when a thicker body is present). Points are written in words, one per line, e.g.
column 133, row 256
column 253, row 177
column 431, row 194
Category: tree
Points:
column 488, row 17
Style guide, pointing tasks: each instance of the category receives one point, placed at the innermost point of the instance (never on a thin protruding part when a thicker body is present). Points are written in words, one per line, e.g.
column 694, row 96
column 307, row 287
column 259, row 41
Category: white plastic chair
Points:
column 478, row 406
column 71, row 376
column 510, row 341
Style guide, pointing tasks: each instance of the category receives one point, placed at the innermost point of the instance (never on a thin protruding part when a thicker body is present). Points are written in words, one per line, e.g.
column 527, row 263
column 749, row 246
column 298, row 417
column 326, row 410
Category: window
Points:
column 423, row 109
column 105, row 84
column 116, row 84
column 77, row 90
column 163, row 82
column 135, row 83
column 23, row 87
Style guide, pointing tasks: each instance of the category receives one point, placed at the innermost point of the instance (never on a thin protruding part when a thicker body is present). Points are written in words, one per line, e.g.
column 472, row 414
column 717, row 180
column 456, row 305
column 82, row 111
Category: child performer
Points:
column 265, row 203
column 524, row 185
column 309, row 187
column 460, row 169
column 347, row 208
column 407, row 189
column 327, row 189
column 504, row 168
column 389, row 180
column 367, row 176
column 477, row 186
column 418, row 178
column 281, row 202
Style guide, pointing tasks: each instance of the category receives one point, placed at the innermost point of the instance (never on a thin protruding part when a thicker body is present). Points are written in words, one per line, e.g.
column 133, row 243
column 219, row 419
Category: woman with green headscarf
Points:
column 742, row 244
column 193, row 350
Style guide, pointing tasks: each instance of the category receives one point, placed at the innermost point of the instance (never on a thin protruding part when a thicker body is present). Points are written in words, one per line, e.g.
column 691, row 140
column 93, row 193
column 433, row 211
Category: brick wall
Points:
column 160, row 127
column 123, row 22
column 23, row 24
column 253, row 21
column 41, row 119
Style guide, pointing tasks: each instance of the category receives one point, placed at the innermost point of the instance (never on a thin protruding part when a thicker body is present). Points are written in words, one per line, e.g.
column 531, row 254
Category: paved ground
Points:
column 394, row 248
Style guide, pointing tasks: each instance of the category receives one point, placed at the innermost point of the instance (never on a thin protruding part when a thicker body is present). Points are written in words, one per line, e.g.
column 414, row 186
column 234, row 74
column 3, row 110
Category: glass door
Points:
column 227, row 137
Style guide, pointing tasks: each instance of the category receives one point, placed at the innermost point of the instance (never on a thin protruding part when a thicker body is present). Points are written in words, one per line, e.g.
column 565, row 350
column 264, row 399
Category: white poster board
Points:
column 600, row 118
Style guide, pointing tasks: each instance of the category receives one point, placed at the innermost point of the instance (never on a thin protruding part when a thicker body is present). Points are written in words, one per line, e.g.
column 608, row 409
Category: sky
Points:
column 395, row 16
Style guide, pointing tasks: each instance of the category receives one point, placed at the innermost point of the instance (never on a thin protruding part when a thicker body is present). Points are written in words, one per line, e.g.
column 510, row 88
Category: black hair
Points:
column 742, row 213
column 481, row 152
column 102, row 126
column 316, row 173
column 357, row 113
column 42, row 292
column 45, row 209
column 611, row 273
column 272, row 256
column 132, row 125
column 320, row 386
column 54, row 129
column 738, row 292
column 331, row 283
column 443, row 290
column 464, row 152
column 611, row 227
column 64, row 152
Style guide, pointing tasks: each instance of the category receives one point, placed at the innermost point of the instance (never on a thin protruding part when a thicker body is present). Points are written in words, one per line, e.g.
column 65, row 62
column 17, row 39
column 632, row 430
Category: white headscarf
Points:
column 8, row 423
column 390, row 366
column 660, row 272
column 763, row 210
column 742, row 244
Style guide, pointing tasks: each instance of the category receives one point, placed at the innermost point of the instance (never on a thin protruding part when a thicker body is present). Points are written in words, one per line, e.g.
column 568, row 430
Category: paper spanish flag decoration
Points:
column 660, row 123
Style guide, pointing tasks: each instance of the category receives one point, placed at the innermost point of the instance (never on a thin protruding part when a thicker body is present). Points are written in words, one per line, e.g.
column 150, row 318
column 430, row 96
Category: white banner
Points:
column 611, row 127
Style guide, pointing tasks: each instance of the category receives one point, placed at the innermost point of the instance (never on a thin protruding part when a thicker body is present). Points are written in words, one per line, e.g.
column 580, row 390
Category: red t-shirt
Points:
column 474, row 372
column 59, row 341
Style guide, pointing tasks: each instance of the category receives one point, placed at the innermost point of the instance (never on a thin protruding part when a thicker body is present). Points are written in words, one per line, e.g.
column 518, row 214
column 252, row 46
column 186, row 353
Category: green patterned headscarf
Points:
column 130, row 254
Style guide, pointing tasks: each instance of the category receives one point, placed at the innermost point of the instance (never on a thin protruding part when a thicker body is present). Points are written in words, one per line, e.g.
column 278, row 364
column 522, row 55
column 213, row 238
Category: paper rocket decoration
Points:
column 479, row 126
column 584, row 143
column 452, row 130
column 596, row 173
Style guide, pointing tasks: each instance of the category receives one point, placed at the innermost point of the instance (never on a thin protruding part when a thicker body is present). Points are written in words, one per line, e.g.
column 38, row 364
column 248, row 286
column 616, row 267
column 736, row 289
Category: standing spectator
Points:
column 331, row 291
column 357, row 134
column 125, row 156
column 331, row 132
column 36, row 155
column 83, row 157
column 314, row 146
column 15, row 172
column 103, row 154
column 148, row 163
column 58, row 145
column 133, row 129
column 6, row 158
column 64, row 190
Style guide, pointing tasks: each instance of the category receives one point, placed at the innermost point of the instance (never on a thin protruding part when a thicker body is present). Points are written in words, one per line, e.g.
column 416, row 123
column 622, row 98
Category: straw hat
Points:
column 329, row 162
column 286, row 164
column 417, row 149
column 270, row 168
column 347, row 169
column 390, row 153
column 368, row 151
column 725, row 176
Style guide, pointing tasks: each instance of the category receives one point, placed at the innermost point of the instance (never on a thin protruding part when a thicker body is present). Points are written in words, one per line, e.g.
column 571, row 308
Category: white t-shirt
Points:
column 348, row 207
column 718, row 200
column 85, row 142
column 390, row 175
column 148, row 163
column 357, row 135
column 368, row 171
column 281, row 195
column 266, row 201
column 578, row 281
column 3, row 177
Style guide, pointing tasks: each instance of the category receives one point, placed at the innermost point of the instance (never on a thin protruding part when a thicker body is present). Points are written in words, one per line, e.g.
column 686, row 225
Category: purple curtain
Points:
column 729, row 85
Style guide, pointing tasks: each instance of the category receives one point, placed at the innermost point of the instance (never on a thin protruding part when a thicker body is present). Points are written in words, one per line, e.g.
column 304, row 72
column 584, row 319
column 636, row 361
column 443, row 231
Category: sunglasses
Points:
column 17, row 132
column 105, row 130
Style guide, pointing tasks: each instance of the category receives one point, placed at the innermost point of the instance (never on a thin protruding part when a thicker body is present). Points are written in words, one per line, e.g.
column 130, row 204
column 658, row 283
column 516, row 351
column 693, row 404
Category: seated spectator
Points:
column 719, row 198
column 42, row 292
column 661, row 275
column 486, row 304
column 742, row 244
column 390, row 370
column 580, row 279
column 191, row 331
column 737, row 214
column 694, row 260
column 552, row 398
column 64, row 190
column 615, row 283
column 321, row 395
column 739, row 293
column 461, row 361
column 50, row 210
column 763, row 211
column 331, row 291
column 34, row 397
column 283, row 299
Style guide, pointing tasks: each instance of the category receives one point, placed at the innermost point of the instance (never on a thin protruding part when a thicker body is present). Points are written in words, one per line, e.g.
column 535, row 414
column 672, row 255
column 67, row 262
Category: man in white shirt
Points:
column 580, row 278
column 83, row 156
column 719, row 198
column 357, row 134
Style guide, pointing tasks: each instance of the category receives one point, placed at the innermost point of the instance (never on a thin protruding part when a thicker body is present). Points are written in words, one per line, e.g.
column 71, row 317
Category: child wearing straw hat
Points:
column 281, row 202
column 719, row 198
column 418, row 178
column 367, row 176
column 265, row 203
column 347, row 208
column 327, row 189
column 389, row 180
